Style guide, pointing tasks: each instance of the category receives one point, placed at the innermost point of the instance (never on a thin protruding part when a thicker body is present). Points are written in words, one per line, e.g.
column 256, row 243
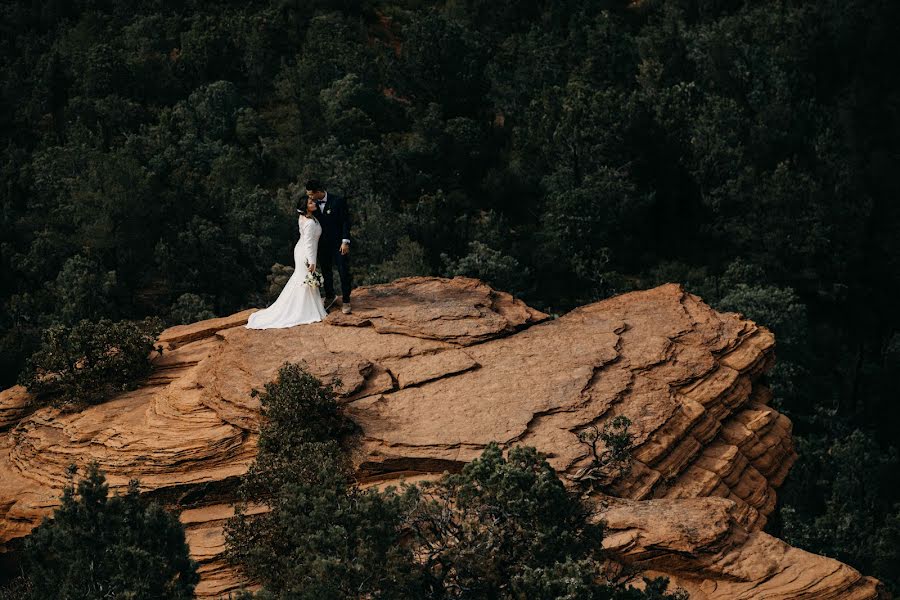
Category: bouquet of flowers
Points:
column 314, row 279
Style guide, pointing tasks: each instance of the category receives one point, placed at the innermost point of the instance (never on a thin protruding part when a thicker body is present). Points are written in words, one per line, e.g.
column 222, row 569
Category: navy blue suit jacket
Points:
column 335, row 220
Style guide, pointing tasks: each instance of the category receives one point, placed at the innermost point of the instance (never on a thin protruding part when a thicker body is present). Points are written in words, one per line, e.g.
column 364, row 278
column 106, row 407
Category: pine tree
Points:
column 97, row 547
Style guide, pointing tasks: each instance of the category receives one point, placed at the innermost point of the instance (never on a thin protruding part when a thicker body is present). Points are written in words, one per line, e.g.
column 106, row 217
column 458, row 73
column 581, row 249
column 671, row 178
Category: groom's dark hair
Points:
column 314, row 185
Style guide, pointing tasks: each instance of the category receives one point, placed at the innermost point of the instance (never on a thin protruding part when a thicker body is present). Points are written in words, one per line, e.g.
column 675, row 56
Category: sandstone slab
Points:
column 15, row 403
column 701, row 544
column 433, row 370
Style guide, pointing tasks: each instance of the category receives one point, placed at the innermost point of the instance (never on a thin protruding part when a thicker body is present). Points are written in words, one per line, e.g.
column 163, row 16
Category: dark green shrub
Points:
column 325, row 538
column 18, row 588
column 91, row 361
column 318, row 535
column 190, row 308
column 301, row 429
column 277, row 278
column 85, row 289
column 610, row 449
column 408, row 260
column 499, row 270
column 98, row 547
column 503, row 527
column 507, row 528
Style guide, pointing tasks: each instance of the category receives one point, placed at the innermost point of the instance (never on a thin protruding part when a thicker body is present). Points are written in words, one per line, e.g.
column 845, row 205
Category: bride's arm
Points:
column 310, row 242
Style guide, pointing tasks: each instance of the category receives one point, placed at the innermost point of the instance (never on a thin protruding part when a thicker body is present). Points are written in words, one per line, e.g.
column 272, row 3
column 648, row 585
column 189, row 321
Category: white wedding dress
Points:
column 298, row 302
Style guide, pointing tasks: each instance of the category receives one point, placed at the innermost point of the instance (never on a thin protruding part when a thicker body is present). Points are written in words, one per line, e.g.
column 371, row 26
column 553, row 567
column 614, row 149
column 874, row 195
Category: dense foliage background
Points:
column 564, row 150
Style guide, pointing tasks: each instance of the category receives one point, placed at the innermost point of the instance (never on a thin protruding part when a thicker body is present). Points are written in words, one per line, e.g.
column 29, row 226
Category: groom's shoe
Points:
column 345, row 308
column 329, row 302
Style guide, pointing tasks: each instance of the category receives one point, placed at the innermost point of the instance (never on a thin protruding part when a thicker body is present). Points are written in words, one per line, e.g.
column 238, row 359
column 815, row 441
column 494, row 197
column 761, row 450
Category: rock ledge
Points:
column 433, row 370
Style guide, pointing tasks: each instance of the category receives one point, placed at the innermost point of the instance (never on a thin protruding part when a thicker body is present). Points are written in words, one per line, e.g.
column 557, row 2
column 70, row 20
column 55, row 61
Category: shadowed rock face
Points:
column 434, row 369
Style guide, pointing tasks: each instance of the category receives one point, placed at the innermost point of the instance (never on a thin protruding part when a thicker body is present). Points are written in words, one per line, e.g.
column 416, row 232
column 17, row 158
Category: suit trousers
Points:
column 329, row 257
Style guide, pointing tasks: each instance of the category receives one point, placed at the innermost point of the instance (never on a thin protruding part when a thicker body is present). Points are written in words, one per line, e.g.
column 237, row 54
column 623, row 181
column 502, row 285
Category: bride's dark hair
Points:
column 303, row 208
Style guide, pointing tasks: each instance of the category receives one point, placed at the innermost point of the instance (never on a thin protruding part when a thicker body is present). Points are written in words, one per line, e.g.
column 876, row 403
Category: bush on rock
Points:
column 97, row 547
column 92, row 360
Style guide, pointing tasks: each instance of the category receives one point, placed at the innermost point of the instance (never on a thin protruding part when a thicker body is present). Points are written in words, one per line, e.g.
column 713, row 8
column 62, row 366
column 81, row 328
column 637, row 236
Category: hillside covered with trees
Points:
column 562, row 150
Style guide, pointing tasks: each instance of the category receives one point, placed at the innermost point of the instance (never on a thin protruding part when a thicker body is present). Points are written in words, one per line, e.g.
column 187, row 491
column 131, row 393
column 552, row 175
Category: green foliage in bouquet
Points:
column 91, row 361
column 98, row 547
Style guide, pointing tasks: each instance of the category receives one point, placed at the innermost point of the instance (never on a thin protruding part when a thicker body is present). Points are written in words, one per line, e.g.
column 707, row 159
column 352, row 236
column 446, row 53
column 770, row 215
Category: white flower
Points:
column 314, row 279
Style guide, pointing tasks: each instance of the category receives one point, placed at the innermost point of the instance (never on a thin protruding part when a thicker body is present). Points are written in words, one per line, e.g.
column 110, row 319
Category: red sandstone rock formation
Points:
column 15, row 403
column 433, row 370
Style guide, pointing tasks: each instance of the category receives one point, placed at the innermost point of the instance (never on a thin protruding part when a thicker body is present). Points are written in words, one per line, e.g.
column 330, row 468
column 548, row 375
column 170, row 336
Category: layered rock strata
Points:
column 15, row 404
column 433, row 370
column 712, row 555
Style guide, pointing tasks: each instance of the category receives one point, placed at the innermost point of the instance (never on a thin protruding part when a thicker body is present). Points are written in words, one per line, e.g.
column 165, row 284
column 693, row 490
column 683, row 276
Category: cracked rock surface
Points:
column 434, row 369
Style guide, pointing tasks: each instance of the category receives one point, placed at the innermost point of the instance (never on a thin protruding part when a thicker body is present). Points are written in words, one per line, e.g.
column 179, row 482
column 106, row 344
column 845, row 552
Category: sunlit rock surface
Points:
column 434, row 369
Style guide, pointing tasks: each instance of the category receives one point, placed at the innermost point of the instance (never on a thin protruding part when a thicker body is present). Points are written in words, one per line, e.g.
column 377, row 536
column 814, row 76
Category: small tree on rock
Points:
column 97, row 547
column 92, row 360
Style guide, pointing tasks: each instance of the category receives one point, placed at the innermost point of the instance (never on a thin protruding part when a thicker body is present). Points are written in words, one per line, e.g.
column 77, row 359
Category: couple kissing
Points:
column 324, row 226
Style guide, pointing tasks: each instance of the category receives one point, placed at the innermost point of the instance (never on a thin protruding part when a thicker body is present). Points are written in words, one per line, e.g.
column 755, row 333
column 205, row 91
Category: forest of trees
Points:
column 561, row 150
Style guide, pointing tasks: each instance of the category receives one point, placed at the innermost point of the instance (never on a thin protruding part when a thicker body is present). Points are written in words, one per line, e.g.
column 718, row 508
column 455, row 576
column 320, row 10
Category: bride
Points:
column 299, row 302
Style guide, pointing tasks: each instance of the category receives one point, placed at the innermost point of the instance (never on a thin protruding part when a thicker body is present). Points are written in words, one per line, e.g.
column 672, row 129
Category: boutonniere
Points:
column 328, row 212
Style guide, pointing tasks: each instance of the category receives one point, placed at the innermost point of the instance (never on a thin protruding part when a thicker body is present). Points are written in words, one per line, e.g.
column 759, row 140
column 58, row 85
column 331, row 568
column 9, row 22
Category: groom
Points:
column 334, row 245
